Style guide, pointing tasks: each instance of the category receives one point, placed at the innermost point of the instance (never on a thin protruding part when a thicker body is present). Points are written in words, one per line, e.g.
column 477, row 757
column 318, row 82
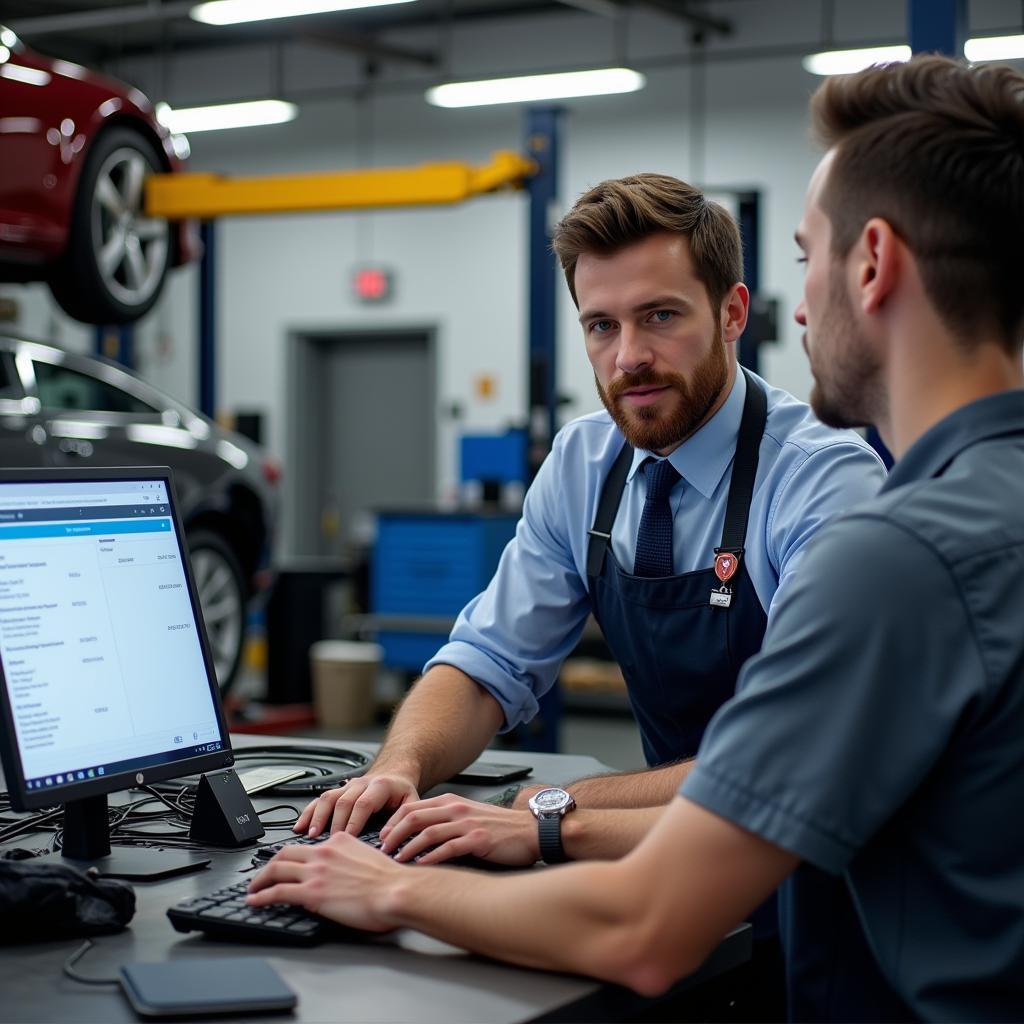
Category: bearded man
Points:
column 677, row 517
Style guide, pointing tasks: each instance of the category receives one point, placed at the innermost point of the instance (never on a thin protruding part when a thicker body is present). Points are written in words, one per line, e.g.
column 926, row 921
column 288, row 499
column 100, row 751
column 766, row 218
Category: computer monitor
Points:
column 106, row 678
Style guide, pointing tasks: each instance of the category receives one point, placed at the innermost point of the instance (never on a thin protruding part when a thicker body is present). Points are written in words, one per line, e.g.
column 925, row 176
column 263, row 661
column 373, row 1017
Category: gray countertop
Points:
column 406, row 976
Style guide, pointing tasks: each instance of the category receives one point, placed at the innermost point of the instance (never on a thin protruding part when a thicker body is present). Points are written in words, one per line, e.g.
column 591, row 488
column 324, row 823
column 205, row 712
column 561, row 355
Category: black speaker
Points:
column 223, row 814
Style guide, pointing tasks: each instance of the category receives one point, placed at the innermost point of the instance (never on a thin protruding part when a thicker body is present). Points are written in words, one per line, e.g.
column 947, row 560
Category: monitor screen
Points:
column 101, row 647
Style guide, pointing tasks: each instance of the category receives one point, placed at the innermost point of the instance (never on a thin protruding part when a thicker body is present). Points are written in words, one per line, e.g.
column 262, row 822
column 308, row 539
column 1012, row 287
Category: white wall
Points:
column 463, row 269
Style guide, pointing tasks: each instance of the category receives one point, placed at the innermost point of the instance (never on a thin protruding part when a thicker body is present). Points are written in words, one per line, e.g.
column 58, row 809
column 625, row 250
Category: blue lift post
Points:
column 937, row 26
column 542, row 145
column 749, row 211
column 208, row 319
column 117, row 342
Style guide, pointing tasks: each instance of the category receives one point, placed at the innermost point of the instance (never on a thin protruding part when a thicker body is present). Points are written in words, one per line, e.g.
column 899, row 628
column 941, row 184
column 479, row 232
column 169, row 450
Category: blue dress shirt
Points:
column 513, row 638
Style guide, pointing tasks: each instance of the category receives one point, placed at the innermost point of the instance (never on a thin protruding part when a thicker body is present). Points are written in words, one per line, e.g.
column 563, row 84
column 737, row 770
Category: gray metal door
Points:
column 364, row 433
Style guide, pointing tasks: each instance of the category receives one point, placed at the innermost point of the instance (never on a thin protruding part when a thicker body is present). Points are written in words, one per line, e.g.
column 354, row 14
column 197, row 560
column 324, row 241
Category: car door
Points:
column 33, row 155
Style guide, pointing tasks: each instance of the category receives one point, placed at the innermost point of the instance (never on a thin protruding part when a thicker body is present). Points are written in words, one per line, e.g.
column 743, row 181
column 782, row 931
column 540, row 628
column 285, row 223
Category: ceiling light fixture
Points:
column 529, row 88
column 234, row 12
column 994, row 48
column 225, row 115
column 846, row 62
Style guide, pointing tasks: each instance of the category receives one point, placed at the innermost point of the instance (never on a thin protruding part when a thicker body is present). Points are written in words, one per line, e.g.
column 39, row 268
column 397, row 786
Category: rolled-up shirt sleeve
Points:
column 868, row 666
column 513, row 638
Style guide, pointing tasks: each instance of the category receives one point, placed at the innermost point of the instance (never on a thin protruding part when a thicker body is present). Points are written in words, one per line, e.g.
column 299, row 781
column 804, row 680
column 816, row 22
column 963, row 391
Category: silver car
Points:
column 62, row 409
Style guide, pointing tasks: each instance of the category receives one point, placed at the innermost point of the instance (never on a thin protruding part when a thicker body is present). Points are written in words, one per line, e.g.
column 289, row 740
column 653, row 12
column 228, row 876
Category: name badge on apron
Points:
column 727, row 561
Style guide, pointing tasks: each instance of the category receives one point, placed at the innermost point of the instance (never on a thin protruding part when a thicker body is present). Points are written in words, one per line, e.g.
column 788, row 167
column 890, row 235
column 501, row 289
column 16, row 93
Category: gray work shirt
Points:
column 879, row 735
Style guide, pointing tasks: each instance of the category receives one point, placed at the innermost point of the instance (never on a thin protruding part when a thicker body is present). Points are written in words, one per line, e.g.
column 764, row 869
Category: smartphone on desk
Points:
column 490, row 773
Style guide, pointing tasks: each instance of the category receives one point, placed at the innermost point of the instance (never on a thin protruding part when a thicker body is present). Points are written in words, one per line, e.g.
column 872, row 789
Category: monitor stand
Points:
column 87, row 847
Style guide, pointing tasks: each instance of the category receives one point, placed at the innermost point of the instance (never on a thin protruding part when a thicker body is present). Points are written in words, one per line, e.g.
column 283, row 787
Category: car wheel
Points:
column 117, row 257
column 222, row 596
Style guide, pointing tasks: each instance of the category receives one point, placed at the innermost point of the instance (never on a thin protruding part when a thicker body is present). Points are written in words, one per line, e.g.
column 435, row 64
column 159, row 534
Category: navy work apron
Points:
column 679, row 648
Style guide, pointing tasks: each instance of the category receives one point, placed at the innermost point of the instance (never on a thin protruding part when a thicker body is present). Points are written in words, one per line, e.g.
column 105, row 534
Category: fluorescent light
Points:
column 846, row 62
column 30, row 76
column 994, row 48
column 225, row 115
column 527, row 88
column 233, row 12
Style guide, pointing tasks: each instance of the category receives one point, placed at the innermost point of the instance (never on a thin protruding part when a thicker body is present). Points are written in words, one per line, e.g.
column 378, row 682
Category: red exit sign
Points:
column 372, row 284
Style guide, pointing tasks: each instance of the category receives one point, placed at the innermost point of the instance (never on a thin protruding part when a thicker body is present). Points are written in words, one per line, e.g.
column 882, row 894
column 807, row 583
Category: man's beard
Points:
column 653, row 430
column 847, row 389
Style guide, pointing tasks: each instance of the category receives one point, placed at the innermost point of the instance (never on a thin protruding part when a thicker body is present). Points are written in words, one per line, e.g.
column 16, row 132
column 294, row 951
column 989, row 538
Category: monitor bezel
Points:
column 23, row 799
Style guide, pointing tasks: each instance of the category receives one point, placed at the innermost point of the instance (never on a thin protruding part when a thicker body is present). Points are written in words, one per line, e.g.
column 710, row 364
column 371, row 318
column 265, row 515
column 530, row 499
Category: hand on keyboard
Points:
column 435, row 830
column 348, row 809
column 264, row 853
column 339, row 879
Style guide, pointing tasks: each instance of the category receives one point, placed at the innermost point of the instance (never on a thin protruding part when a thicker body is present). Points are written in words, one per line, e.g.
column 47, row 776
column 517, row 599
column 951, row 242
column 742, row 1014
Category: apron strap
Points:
column 744, row 467
column 607, row 507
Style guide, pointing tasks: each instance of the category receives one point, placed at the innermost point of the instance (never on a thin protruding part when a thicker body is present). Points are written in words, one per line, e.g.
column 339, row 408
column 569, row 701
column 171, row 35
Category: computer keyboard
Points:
column 263, row 853
column 224, row 914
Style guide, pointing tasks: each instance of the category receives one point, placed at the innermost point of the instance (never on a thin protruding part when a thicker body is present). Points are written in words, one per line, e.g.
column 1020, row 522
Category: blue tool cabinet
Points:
column 427, row 565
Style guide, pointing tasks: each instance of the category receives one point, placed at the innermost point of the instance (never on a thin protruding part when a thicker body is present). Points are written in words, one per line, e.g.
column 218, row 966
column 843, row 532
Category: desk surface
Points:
column 406, row 976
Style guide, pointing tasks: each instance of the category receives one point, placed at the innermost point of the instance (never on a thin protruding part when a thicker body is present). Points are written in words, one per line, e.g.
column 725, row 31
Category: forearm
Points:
column 606, row 833
column 652, row 787
column 444, row 723
column 642, row 921
column 579, row 918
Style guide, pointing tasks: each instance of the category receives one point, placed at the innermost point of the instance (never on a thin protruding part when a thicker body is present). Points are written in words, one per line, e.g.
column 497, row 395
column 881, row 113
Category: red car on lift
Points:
column 75, row 148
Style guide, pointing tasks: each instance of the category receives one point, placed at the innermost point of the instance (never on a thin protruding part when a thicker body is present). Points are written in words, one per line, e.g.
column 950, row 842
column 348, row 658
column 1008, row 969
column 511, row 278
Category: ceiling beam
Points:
column 107, row 17
column 678, row 9
column 368, row 46
column 602, row 8
column 682, row 11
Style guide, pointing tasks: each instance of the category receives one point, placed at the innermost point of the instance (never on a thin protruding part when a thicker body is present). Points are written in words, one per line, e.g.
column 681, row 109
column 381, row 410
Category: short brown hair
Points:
column 624, row 210
column 936, row 148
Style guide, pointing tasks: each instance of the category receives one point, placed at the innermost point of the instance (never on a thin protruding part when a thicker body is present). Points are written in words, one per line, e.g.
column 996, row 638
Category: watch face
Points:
column 549, row 800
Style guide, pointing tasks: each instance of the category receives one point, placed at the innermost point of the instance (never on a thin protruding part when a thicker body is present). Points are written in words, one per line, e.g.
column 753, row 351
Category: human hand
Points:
column 454, row 826
column 349, row 808
column 343, row 879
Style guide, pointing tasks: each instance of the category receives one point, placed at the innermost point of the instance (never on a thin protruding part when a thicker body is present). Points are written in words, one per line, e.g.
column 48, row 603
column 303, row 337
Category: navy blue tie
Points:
column 654, row 538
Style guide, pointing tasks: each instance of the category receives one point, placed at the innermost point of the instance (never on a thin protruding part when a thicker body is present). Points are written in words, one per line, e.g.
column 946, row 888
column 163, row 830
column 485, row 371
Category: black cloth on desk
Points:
column 53, row 901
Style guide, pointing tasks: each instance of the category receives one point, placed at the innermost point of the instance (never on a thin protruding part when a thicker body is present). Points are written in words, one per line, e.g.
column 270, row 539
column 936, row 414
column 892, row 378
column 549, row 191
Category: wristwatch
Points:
column 549, row 806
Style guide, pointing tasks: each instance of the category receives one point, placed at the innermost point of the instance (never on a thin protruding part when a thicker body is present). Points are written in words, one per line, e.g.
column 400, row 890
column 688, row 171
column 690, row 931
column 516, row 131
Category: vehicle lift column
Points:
column 542, row 144
column 208, row 319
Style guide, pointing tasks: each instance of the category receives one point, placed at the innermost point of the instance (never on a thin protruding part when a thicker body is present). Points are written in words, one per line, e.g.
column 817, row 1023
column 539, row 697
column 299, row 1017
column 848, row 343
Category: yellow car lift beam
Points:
column 204, row 196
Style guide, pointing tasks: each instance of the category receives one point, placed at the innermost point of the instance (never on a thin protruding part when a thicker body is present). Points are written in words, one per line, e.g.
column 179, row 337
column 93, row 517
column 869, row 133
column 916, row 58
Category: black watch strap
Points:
column 549, row 832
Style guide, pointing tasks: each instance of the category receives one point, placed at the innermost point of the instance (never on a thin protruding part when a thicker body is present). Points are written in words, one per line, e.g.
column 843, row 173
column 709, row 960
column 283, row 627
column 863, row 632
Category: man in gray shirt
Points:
column 873, row 756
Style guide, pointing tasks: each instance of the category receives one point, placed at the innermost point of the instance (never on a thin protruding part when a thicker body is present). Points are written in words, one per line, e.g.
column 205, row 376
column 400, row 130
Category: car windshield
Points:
column 59, row 387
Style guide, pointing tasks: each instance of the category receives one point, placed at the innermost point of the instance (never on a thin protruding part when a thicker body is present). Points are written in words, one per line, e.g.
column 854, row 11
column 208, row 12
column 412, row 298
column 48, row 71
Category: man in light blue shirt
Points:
column 695, row 562
column 513, row 638
column 677, row 517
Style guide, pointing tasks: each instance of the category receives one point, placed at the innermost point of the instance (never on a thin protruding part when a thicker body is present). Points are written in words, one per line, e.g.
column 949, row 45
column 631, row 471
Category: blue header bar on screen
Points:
column 98, row 529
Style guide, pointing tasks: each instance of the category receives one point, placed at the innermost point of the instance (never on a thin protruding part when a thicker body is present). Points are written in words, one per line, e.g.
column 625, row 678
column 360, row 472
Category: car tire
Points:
column 223, row 597
column 117, row 258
